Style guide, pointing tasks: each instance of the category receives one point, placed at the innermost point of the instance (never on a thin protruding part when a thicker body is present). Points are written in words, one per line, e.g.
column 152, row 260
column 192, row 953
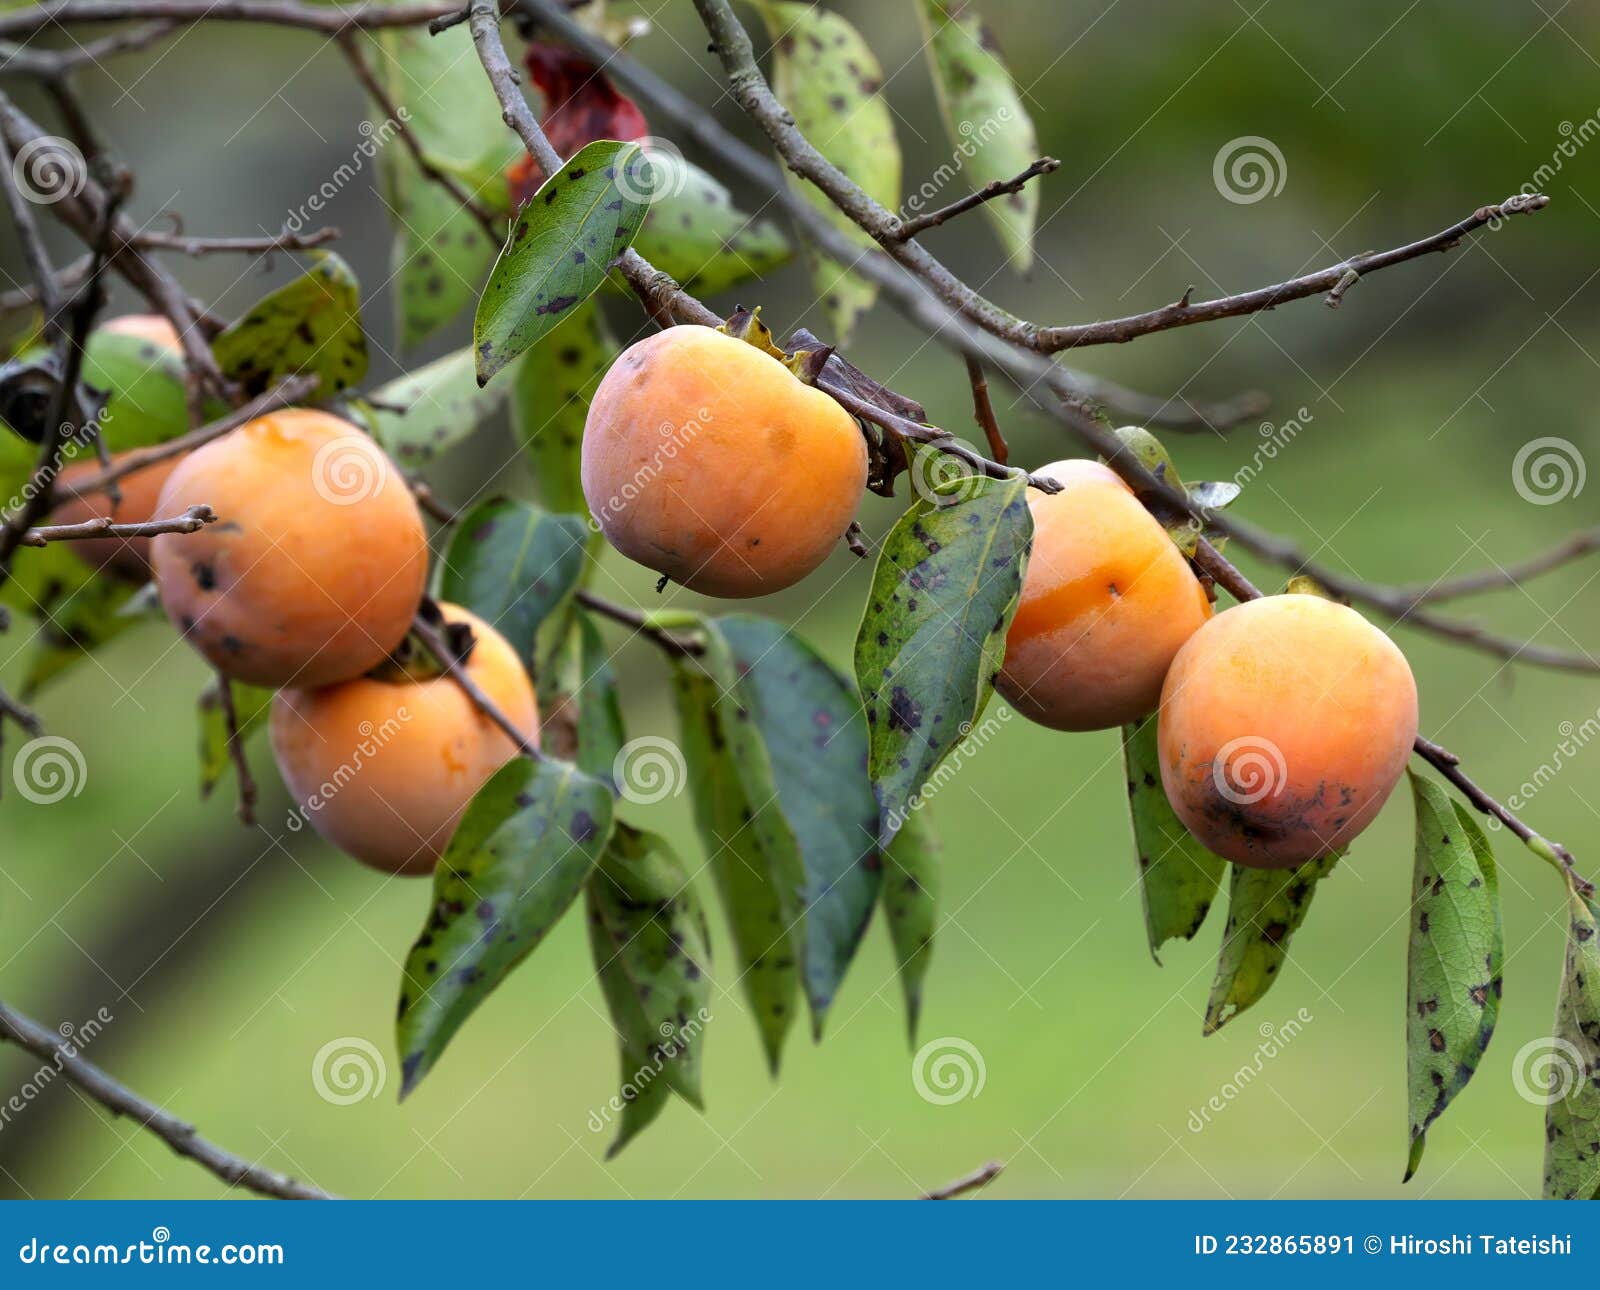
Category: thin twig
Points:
column 48, row 1046
column 330, row 20
column 21, row 714
column 67, row 279
column 979, row 1178
column 393, row 112
column 636, row 620
column 154, row 240
column 54, row 63
column 196, row 517
column 430, row 637
column 288, row 391
column 246, row 808
column 983, row 410
column 988, row 193
column 33, row 248
column 1573, row 548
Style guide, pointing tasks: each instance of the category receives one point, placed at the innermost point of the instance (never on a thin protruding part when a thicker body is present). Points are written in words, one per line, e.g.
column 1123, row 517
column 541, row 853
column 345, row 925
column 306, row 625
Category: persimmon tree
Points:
column 808, row 786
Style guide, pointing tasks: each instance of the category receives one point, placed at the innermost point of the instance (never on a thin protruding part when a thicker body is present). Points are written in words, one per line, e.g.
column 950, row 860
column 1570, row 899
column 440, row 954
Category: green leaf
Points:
column 910, row 906
column 985, row 117
column 512, row 564
column 651, row 948
column 77, row 609
column 517, row 861
column 562, row 244
column 143, row 382
column 312, row 324
column 1265, row 908
column 441, row 253
column 831, row 83
column 581, row 710
column 810, row 720
column 251, row 703
column 1178, row 877
column 753, row 853
column 442, row 404
column 933, row 636
column 550, row 402
column 1453, row 967
column 1572, row 1117
column 694, row 232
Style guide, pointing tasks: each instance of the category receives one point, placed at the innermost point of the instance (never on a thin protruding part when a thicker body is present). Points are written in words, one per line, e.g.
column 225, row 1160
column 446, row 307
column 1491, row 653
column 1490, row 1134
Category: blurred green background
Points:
column 230, row 957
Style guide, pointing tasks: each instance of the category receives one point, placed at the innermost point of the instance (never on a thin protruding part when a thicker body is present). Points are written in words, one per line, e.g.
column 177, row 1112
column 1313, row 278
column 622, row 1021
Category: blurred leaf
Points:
column 1177, row 876
column 910, row 906
column 312, row 324
column 753, row 853
column 1453, row 966
column 1265, row 907
column 512, row 564
column 443, row 405
column 77, row 609
column 582, row 710
column 251, row 703
column 1572, row 1117
column 985, row 117
column 933, row 636
column 550, row 396
column 809, row 718
column 561, row 246
column 651, row 947
column 517, row 860
column 441, row 253
column 824, row 73
column 144, row 387
column 694, row 232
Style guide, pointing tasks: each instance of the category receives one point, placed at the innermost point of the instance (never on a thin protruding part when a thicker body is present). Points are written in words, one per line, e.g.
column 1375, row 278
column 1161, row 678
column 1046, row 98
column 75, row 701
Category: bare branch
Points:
column 52, row 63
column 153, row 240
column 196, row 517
column 1573, row 548
column 119, row 1099
column 637, row 621
column 998, row 188
column 330, row 20
column 33, row 248
column 430, row 637
column 246, row 809
column 983, row 411
column 979, row 1178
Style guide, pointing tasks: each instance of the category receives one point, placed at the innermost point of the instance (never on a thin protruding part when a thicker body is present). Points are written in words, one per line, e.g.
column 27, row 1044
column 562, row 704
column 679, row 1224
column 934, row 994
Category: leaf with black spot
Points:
column 910, row 906
column 810, row 721
column 310, row 325
column 251, row 704
column 562, row 243
column 514, row 865
column 439, row 405
column 828, row 78
column 1572, row 1118
column 985, row 117
column 1265, row 909
column 933, row 636
column 696, row 234
column 652, row 949
column 142, row 383
column 512, row 565
column 1454, row 963
column 1178, row 878
column 753, row 852
column 579, row 705
column 550, row 395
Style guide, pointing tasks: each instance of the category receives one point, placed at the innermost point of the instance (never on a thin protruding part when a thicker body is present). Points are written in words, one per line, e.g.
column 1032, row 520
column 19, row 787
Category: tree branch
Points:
column 1573, row 548
column 998, row 188
column 119, row 1099
column 183, row 244
column 330, row 20
column 246, row 809
column 983, row 412
column 430, row 637
column 979, row 1178
column 196, row 517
